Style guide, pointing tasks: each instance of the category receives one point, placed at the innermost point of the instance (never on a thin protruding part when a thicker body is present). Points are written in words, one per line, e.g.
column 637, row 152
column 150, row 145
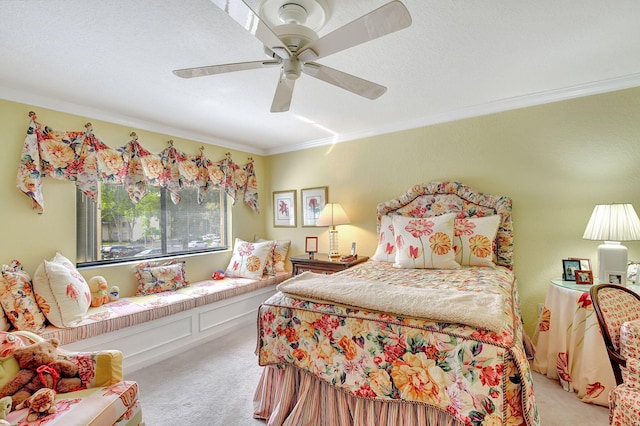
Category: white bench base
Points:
column 153, row 341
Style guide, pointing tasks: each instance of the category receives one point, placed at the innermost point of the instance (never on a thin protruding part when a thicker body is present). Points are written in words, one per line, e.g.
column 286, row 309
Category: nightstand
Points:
column 321, row 263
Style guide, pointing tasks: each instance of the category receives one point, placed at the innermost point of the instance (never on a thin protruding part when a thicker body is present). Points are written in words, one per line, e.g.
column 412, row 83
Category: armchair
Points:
column 105, row 398
column 618, row 311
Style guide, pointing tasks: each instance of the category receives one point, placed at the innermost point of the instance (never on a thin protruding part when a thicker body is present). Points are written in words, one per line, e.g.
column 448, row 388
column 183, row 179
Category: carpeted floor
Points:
column 213, row 384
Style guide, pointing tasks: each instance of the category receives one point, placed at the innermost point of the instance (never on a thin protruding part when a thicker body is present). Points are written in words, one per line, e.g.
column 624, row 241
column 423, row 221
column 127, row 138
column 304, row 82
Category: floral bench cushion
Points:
column 129, row 311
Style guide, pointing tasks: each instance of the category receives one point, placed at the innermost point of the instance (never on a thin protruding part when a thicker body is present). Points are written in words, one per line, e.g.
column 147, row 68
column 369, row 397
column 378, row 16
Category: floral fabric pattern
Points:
column 157, row 277
column 249, row 258
column 424, row 242
column 82, row 158
column 62, row 292
column 18, row 299
column 478, row 377
column 474, row 240
column 437, row 198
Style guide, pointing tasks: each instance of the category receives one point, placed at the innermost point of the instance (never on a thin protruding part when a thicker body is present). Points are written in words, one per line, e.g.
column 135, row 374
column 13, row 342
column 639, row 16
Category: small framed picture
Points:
column 585, row 264
column 616, row 277
column 311, row 245
column 584, row 277
column 312, row 202
column 284, row 209
column 569, row 268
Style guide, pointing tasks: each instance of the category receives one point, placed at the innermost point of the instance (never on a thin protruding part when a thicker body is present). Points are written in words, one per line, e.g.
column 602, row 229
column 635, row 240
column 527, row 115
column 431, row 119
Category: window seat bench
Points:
column 148, row 329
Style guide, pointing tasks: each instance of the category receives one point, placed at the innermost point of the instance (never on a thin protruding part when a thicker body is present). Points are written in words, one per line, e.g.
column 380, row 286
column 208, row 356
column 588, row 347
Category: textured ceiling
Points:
column 112, row 60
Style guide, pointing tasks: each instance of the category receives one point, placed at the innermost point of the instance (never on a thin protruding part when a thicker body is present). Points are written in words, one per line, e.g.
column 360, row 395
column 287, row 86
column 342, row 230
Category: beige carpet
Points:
column 213, row 384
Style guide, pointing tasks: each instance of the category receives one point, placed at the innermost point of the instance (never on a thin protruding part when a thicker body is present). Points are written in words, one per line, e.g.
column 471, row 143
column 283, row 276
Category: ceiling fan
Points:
column 292, row 43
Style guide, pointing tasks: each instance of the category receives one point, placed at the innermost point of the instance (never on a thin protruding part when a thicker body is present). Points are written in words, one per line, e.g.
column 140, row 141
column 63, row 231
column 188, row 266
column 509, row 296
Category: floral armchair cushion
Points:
column 96, row 369
column 630, row 350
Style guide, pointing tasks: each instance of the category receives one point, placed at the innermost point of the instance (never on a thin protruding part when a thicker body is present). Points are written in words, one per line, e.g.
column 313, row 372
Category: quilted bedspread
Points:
column 476, row 375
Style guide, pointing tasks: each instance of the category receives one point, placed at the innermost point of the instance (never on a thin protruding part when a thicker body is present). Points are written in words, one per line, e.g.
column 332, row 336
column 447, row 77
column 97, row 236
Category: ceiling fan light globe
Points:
column 292, row 13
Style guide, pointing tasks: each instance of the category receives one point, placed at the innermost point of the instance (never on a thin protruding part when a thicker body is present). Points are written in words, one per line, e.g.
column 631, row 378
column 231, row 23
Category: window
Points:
column 115, row 230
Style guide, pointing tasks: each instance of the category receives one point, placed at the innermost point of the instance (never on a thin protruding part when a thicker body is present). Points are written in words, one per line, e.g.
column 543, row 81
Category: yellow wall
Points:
column 30, row 238
column 555, row 161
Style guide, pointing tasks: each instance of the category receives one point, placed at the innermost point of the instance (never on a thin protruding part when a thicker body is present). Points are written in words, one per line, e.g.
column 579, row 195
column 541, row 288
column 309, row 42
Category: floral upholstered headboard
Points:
column 437, row 198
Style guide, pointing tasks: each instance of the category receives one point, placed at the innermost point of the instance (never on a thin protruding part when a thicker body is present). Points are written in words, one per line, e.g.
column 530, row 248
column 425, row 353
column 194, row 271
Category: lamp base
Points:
column 334, row 252
column 612, row 262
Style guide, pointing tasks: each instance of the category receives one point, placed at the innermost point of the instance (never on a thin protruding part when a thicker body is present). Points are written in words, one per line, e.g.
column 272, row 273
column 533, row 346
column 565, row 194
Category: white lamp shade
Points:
column 333, row 214
column 613, row 222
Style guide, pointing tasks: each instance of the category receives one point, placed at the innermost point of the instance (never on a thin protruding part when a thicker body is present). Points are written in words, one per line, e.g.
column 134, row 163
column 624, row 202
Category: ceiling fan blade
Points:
column 284, row 93
column 386, row 19
column 349, row 82
column 250, row 21
column 221, row 69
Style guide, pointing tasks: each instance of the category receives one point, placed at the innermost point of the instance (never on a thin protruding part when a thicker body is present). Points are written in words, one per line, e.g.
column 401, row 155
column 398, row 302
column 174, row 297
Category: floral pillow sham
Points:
column 249, row 259
column 425, row 243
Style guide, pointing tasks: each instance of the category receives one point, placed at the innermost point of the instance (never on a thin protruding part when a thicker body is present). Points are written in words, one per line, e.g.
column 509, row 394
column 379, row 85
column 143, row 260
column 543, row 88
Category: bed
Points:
column 408, row 337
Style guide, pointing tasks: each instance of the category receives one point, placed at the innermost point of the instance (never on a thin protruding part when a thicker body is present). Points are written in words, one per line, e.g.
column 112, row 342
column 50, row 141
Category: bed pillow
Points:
column 156, row 277
column 249, row 259
column 474, row 240
column 18, row 299
column 277, row 257
column 425, row 243
column 386, row 249
column 62, row 293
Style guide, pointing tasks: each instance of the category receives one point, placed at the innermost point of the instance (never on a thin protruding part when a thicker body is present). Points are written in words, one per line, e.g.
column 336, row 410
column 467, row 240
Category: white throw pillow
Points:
column 62, row 293
column 386, row 249
column 249, row 259
column 425, row 243
column 474, row 240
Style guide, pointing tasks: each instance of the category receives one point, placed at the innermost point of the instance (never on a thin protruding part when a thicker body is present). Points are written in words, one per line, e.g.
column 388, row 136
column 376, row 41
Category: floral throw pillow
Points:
column 277, row 257
column 249, row 259
column 474, row 240
column 156, row 277
column 62, row 293
column 18, row 299
column 386, row 249
column 425, row 243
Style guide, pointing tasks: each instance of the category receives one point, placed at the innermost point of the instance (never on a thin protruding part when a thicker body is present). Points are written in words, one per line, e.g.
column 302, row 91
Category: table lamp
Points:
column 612, row 223
column 331, row 215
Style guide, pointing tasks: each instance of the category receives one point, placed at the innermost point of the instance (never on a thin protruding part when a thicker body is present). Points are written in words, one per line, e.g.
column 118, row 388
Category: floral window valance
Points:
column 81, row 157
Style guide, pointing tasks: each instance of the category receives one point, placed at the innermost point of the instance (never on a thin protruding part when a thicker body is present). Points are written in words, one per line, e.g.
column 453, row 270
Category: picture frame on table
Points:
column 585, row 264
column 312, row 201
column 616, row 277
column 584, row 276
column 284, row 209
column 569, row 268
column 311, row 246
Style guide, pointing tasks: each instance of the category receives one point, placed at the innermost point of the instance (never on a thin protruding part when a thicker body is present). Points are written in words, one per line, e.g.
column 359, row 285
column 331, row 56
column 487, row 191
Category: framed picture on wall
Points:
column 284, row 209
column 312, row 201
